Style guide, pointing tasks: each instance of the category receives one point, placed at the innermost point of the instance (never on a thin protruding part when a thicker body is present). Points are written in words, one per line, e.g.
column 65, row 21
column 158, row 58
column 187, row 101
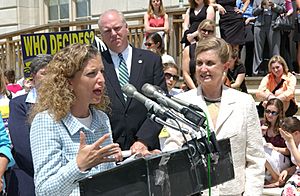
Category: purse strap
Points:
column 278, row 86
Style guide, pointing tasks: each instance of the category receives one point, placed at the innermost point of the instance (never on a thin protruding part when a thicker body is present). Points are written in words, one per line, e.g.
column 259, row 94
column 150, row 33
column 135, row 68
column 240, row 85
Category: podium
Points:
column 166, row 174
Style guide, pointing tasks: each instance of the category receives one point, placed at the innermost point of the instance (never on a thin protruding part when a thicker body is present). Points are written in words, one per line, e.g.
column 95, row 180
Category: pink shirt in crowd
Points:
column 13, row 87
column 288, row 5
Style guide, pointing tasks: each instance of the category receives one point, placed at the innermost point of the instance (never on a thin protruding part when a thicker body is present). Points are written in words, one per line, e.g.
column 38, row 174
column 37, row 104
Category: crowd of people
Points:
column 71, row 118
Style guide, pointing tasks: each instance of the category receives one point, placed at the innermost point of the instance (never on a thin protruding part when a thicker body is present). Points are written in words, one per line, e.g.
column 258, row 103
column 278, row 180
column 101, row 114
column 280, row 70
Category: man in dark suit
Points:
column 21, row 178
column 130, row 126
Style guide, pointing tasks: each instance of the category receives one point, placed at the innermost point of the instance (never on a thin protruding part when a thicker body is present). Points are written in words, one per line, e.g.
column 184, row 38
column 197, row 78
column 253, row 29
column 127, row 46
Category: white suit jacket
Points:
column 237, row 120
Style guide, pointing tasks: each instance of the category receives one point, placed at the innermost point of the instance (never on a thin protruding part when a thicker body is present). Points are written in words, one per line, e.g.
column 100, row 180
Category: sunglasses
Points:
column 169, row 76
column 148, row 44
column 207, row 31
column 273, row 113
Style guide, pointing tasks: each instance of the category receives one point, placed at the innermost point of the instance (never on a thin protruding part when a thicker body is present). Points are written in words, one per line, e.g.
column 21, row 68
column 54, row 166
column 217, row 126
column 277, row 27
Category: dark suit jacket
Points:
column 21, row 179
column 129, row 120
column 258, row 11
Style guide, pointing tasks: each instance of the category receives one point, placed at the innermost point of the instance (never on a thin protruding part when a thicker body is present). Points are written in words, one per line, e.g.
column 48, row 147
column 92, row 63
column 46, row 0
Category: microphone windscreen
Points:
column 128, row 89
column 148, row 90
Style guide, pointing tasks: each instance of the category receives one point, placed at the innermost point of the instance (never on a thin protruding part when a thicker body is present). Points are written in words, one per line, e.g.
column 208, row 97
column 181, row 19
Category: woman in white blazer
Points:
column 231, row 114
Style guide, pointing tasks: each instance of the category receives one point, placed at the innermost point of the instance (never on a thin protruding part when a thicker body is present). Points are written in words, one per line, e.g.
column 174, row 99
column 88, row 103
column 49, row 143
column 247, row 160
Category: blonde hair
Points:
column 161, row 10
column 55, row 93
column 217, row 44
column 280, row 60
column 3, row 90
column 204, row 24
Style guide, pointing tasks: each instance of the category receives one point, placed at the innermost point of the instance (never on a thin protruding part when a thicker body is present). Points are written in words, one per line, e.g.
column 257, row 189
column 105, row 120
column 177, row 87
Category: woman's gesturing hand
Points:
column 94, row 154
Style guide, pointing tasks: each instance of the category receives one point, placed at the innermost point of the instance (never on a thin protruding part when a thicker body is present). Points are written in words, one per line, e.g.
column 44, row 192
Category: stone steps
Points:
column 252, row 86
column 253, row 93
column 272, row 191
column 253, row 82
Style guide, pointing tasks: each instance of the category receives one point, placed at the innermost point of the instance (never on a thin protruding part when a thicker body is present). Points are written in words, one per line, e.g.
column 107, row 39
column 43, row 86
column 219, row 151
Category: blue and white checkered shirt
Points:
column 54, row 147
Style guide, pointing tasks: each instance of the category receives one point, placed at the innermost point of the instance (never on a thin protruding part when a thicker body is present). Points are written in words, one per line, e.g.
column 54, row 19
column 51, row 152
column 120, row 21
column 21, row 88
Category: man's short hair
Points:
column 39, row 62
column 109, row 12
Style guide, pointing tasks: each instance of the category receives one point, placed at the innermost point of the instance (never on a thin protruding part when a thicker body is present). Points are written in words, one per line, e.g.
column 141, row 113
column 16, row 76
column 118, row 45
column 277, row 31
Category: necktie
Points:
column 123, row 73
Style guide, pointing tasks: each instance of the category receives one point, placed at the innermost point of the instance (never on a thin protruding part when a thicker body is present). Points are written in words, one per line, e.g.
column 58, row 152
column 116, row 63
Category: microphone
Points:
column 186, row 104
column 173, row 126
column 180, row 101
column 151, row 106
column 196, row 118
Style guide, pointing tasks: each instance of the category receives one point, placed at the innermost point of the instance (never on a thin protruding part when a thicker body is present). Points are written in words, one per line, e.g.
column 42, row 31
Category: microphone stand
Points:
column 185, row 121
column 202, row 146
column 211, row 148
column 203, row 150
column 191, row 149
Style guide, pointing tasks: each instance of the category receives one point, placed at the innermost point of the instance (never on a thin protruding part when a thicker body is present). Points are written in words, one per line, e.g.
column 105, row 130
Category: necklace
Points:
column 217, row 100
column 156, row 14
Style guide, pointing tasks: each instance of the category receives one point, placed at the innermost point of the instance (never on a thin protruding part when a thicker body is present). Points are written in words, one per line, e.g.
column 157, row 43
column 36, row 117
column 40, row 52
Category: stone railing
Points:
column 10, row 43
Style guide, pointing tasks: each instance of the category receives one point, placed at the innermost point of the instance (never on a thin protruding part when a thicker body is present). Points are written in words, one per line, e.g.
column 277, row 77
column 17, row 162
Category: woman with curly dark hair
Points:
column 70, row 136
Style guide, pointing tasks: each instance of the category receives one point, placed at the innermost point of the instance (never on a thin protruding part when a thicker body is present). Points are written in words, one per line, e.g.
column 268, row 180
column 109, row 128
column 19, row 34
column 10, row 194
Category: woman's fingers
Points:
column 108, row 153
column 111, row 152
column 98, row 143
column 283, row 133
column 82, row 139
